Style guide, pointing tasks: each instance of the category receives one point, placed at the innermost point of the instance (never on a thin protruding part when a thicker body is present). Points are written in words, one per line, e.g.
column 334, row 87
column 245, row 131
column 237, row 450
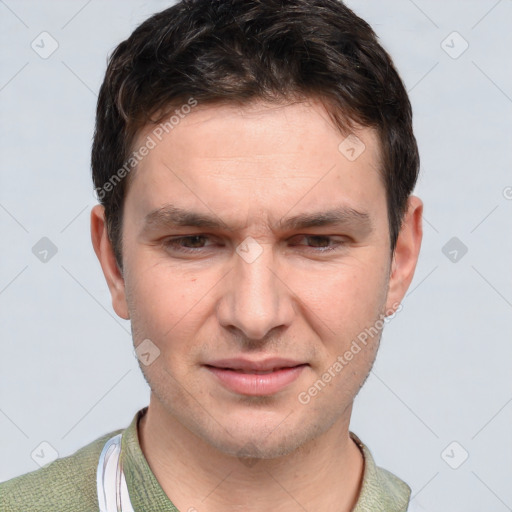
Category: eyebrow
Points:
column 171, row 215
column 341, row 215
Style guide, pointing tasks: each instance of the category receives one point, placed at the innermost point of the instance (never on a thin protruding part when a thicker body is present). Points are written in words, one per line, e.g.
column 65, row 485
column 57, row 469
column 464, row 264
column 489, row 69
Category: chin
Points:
column 250, row 446
column 251, row 437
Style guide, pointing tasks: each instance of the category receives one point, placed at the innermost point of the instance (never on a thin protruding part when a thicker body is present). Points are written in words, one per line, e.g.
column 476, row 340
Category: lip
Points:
column 248, row 365
column 243, row 376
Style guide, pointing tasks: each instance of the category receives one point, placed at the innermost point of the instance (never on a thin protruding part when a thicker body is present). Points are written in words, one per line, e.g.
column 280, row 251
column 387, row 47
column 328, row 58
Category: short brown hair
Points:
column 239, row 51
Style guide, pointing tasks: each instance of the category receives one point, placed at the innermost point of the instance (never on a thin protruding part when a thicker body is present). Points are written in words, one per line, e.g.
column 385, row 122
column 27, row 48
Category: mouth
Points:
column 256, row 378
column 254, row 372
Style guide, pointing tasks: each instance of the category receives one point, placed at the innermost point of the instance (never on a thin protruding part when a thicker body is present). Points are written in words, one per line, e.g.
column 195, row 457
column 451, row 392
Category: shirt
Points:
column 69, row 483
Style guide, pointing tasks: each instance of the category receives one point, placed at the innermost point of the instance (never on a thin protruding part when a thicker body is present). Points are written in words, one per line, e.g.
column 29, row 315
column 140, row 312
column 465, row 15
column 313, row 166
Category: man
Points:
column 254, row 160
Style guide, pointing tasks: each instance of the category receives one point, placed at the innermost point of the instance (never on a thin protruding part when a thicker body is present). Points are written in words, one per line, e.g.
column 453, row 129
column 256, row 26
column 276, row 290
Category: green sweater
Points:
column 69, row 484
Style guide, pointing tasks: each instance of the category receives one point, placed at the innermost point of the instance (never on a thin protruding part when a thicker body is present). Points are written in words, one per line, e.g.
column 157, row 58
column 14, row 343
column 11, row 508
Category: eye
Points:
column 192, row 243
column 319, row 243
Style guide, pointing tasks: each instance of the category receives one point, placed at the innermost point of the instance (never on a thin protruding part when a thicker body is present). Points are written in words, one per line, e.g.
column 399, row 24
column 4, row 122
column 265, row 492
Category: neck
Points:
column 324, row 474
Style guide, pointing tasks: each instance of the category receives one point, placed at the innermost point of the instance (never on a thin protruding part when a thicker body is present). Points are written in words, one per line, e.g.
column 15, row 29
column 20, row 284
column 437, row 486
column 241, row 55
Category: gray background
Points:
column 67, row 370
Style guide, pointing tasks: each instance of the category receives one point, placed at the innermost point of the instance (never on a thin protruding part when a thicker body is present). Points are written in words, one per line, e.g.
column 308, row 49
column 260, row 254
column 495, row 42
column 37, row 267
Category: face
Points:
column 254, row 254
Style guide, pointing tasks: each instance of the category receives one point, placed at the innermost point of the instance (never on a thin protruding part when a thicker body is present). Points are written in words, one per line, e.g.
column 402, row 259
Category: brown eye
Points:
column 319, row 243
column 187, row 243
column 193, row 241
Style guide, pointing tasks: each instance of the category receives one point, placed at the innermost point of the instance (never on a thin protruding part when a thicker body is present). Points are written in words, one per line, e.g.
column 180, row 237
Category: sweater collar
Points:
column 381, row 491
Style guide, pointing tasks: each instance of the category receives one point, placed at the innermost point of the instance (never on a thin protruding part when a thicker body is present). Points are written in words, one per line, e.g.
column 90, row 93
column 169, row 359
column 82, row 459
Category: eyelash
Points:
column 173, row 243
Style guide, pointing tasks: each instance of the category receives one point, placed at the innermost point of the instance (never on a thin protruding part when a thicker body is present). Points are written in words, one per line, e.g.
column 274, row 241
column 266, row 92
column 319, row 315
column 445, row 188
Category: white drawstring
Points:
column 110, row 480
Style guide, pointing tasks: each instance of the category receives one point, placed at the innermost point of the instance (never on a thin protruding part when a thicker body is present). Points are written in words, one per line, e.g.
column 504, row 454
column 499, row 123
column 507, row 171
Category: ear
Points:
column 405, row 255
column 105, row 253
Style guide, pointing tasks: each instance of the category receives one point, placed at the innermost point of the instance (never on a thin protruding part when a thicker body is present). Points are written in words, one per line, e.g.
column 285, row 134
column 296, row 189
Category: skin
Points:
column 250, row 167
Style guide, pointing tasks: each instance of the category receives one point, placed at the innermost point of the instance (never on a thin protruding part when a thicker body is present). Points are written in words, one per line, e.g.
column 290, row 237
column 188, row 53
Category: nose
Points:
column 256, row 299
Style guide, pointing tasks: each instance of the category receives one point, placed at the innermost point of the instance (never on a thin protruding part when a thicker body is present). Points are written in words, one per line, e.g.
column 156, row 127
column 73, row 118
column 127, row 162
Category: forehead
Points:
column 301, row 124
column 256, row 158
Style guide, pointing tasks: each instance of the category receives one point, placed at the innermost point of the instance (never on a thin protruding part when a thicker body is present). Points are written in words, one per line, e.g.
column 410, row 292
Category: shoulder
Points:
column 65, row 484
column 381, row 490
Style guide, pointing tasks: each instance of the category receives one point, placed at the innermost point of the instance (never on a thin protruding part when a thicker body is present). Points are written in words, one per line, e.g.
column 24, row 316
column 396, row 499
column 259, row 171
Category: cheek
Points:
column 166, row 303
column 345, row 298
